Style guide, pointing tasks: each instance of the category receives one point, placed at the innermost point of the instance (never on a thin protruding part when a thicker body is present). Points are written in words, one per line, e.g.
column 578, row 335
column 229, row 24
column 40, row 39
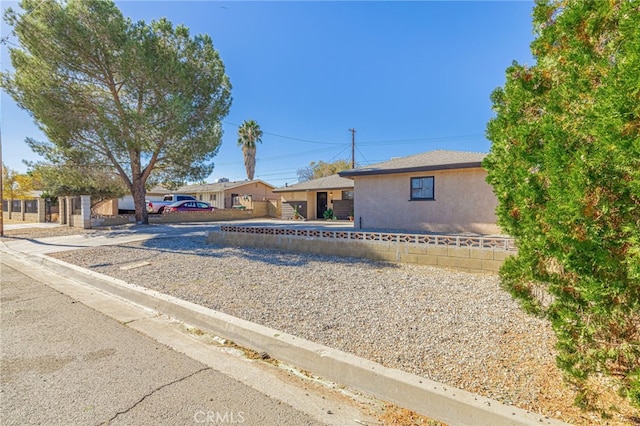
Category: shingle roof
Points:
column 218, row 187
column 328, row 182
column 158, row 190
column 427, row 161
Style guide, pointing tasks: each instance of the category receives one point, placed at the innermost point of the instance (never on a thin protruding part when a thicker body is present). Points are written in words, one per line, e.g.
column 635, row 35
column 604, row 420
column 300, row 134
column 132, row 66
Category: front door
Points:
column 321, row 203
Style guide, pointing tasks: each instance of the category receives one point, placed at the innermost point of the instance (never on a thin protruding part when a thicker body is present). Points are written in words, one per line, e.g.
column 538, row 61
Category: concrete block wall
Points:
column 178, row 217
column 83, row 219
column 42, row 210
column 98, row 221
column 22, row 215
column 85, row 211
column 29, row 217
column 217, row 215
column 467, row 259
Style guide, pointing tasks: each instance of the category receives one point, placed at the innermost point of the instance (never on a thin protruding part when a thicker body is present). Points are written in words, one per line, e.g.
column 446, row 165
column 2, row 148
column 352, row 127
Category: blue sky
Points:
column 409, row 77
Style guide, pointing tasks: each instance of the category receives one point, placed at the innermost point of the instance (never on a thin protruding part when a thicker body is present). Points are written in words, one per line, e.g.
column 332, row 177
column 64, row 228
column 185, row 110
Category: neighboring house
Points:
column 226, row 195
column 313, row 197
column 437, row 191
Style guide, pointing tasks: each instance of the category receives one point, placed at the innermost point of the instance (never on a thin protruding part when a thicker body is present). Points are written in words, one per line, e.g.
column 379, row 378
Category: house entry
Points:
column 321, row 203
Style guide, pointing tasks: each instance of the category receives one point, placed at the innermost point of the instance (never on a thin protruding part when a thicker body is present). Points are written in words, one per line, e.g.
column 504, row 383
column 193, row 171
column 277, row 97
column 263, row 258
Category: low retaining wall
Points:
column 469, row 254
column 178, row 217
column 23, row 217
column 122, row 219
column 29, row 210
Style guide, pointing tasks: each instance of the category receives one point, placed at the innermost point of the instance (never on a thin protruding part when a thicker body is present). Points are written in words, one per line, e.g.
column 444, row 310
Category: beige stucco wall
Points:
column 307, row 196
column 311, row 197
column 293, row 196
column 106, row 207
column 464, row 202
column 257, row 191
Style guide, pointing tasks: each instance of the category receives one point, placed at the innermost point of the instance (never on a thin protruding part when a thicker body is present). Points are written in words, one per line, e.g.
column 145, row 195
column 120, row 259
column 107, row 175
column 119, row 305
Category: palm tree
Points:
column 248, row 134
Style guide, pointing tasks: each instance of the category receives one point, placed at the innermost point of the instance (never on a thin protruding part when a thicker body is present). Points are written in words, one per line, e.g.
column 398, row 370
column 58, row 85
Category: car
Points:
column 189, row 206
column 167, row 200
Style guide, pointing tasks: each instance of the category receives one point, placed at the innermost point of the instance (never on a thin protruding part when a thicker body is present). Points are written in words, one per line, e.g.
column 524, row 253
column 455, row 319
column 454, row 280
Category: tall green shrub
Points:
column 565, row 166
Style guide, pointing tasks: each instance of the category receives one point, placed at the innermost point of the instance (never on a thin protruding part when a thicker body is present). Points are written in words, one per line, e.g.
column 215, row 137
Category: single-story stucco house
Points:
column 226, row 195
column 310, row 199
column 436, row 191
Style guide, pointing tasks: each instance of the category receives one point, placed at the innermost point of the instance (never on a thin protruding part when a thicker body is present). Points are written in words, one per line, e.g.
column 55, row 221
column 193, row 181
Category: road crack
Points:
column 154, row 391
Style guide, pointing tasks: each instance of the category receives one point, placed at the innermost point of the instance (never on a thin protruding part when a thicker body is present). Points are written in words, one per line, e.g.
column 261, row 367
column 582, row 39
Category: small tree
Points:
column 565, row 166
column 15, row 186
column 318, row 169
column 249, row 134
column 133, row 97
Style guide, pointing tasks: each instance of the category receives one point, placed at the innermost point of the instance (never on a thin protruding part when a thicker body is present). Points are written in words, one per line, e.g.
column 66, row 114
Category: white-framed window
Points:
column 422, row 188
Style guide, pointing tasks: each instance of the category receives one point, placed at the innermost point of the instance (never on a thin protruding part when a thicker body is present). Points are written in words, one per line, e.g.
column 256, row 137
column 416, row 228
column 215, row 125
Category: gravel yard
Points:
column 456, row 328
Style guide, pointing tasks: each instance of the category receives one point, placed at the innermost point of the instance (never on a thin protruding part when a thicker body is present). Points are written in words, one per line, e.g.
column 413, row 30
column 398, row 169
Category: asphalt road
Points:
column 64, row 363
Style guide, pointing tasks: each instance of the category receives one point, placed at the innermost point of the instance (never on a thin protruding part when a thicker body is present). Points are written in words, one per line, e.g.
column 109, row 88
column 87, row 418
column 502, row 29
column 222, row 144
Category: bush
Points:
column 565, row 166
column 328, row 214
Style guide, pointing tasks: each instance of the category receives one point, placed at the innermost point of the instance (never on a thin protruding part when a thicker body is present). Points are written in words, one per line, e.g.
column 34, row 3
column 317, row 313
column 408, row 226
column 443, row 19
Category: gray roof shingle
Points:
column 217, row 187
column 328, row 182
column 427, row 161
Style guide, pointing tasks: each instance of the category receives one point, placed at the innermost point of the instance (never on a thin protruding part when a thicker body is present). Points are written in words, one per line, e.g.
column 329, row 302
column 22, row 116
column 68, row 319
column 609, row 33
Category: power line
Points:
column 293, row 155
column 274, row 174
column 336, row 156
column 430, row 139
column 434, row 139
column 365, row 159
column 290, row 137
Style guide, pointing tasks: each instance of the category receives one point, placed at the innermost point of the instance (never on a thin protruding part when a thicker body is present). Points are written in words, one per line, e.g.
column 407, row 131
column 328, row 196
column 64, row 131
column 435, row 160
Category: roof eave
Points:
column 453, row 166
column 292, row 189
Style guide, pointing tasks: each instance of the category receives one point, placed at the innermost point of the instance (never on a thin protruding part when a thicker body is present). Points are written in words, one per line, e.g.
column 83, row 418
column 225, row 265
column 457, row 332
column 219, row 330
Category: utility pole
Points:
column 353, row 148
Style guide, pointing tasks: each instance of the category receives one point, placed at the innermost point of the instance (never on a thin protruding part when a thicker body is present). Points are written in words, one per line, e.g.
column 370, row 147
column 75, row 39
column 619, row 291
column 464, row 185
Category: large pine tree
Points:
column 133, row 97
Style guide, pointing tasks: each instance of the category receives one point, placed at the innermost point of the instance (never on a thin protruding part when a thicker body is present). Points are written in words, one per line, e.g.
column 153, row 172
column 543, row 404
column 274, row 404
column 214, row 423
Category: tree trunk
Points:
column 249, row 161
column 139, row 194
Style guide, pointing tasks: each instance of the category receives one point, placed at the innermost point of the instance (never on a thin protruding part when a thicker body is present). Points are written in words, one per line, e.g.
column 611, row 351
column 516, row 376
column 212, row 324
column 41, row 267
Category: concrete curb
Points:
column 432, row 399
